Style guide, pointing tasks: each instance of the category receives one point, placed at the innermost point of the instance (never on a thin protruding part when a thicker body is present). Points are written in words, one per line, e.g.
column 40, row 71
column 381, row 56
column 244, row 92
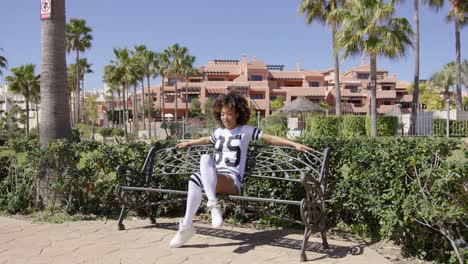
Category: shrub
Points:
column 274, row 125
column 117, row 132
column 354, row 125
column 386, row 125
column 323, row 126
column 105, row 131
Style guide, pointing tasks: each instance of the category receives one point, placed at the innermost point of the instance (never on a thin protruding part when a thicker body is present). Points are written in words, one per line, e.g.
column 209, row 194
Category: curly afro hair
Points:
column 235, row 101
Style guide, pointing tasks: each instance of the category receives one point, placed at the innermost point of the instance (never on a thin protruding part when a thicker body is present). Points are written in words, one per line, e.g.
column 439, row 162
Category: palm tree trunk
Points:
column 77, row 99
column 163, row 99
column 373, row 102
column 458, row 96
column 143, row 103
column 37, row 120
column 337, row 73
column 125, row 114
column 83, row 98
column 55, row 123
column 175, row 101
column 27, row 111
column 414, row 106
column 150, row 106
column 135, row 124
column 113, row 109
column 186, row 106
column 120, row 115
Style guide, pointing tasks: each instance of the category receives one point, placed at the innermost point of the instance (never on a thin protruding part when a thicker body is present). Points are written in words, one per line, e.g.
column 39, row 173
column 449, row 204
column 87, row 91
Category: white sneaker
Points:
column 216, row 214
column 182, row 236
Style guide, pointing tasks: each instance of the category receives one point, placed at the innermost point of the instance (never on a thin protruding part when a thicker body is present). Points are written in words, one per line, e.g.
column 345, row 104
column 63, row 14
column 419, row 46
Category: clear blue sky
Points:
column 212, row 29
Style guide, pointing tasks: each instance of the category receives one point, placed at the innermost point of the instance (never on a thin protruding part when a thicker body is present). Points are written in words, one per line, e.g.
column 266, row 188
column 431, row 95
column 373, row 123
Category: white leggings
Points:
column 206, row 179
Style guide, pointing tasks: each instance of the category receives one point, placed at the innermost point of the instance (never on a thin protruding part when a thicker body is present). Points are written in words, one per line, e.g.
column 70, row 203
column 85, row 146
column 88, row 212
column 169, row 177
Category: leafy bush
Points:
column 370, row 182
column 23, row 144
column 117, row 132
column 274, row 125
column 323, row 126
column 105, row 131
column 386, row 125
column 354, row 125
column 457, row 127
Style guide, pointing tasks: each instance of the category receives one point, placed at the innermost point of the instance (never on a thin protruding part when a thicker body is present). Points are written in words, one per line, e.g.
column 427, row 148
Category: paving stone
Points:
column 101, row 242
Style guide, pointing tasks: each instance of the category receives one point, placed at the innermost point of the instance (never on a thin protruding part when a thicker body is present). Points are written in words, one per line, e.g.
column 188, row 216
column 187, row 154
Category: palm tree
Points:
column 72, row 90
column 458, row 14
column 368, row 26
column 85, row 68
column 120, row 71
column 24, row 81
column 176, row 55
column 78, row 39
column 135, row 75
column 443, row 80
column 113, row 88
column 3, row 63
column 187, row 71
column 148, row 59
column 162, row 68
column 319, row 10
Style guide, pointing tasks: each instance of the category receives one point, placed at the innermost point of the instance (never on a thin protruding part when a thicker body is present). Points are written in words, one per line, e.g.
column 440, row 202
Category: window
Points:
column 386, row 103
column 386, row 88
column 256, row 78
column 215, row 79
column 314, row 84
column 257, row 96
column 171, row 82
column 352, row 89
column 363, row 76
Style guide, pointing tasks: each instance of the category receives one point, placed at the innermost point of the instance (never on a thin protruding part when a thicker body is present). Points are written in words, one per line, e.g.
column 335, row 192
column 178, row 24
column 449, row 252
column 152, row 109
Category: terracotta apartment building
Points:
column 262, row 83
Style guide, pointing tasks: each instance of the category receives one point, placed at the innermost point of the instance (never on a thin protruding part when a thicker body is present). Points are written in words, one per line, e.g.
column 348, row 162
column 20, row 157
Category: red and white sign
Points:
column 46, row 9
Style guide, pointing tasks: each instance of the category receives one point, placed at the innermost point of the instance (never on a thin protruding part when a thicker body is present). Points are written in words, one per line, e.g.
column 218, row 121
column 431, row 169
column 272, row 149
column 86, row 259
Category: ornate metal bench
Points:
column 283, row 165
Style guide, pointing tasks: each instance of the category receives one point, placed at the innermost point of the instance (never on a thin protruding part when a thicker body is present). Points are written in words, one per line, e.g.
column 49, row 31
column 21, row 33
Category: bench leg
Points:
column 323, row 231
column 151, row 212
column 307, row 233
column 123, row 214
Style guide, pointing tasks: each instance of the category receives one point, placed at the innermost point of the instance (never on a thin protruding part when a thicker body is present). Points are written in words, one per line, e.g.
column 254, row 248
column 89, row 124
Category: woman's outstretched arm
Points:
column 274, row 140
column 193, row 142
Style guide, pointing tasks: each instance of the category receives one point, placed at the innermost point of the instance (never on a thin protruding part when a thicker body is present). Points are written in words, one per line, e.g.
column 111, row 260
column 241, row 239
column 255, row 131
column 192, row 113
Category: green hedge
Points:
column 323, row 126
column 349, row 126
column 372, row 186
column 457, row 127
column 386, row 125
column 354, row 126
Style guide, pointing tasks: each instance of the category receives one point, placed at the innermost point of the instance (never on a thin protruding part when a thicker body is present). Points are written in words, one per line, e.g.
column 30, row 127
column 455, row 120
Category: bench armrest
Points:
column 130, row 177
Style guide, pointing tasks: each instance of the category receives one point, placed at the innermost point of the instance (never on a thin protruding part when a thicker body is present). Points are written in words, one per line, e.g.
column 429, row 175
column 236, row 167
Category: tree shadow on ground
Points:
column 276, row 238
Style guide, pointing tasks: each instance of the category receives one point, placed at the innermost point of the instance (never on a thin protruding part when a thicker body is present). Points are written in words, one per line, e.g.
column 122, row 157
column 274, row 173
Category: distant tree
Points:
column 459, row 15
column 78, row 39
column 10, row 121
column 24, row 81
column 442, row 81
column 277, row 103
column 369, row 27
column 176, row 55
column 91, row 111
column 319, row 10
column 3, row 63
column 195, row 108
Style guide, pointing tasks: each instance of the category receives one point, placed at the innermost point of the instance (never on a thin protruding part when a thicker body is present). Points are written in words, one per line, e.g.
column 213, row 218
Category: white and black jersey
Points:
column 231, row 148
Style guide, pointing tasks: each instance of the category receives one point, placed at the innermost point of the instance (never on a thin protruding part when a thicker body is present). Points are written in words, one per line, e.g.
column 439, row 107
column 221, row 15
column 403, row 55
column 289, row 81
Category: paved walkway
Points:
column 100, row 242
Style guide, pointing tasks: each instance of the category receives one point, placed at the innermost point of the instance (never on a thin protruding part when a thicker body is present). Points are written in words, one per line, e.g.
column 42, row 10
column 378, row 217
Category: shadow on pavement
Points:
column 248, row 241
